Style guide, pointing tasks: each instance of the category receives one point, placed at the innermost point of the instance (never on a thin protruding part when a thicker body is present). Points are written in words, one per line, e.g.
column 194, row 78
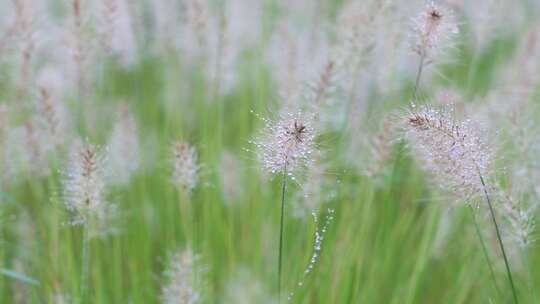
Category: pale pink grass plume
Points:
column 433, row 32
column 185, row 166
column 453, row 151
column 84, row 187
column 287, row 143
column 181, row 284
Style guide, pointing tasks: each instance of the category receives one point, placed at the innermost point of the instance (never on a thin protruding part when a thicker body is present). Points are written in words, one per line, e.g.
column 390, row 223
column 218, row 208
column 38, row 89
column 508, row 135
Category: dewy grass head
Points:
column 287, row 143
column 433, row 31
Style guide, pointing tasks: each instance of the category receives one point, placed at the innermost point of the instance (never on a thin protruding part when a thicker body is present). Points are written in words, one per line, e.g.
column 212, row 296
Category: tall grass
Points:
column 217, row 125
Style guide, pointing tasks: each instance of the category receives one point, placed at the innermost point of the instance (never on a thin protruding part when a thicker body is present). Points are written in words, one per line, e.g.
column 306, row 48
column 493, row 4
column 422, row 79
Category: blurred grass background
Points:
column 382, row 247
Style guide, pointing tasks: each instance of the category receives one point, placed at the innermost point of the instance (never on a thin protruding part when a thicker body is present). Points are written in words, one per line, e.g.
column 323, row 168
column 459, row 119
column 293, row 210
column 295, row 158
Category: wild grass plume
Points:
column 185, row 166
column 453, row 151
column 180, row 280
column 84, row 186
column 433, row 32
column 286, row 144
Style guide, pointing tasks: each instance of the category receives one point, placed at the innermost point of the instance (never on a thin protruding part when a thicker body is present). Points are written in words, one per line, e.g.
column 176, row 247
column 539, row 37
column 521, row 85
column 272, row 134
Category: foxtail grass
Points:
column 456, row 154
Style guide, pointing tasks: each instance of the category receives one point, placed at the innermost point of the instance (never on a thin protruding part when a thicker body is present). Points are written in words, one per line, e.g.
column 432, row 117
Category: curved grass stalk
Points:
column 484, row 250
column 499, row 239
column 463, row 154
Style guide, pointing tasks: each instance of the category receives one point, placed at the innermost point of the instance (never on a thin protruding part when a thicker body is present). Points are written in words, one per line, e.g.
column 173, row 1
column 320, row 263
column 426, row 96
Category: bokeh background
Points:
column 141, row 79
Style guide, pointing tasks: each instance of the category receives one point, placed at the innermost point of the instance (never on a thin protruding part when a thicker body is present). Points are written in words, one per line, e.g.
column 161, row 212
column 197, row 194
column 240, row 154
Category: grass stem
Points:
column 85, row 264
column 418, row 77
column 484, row 250
column 280, row 255
column 499, row 238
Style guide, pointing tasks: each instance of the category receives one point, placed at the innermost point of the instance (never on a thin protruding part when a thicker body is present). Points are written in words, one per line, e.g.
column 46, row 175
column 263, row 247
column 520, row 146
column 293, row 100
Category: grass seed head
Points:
column 433, row 31
column 286, row 144
column 453, row 151
column 83, row 182
column 181, row 280
column 185, row 166
column 518, row 221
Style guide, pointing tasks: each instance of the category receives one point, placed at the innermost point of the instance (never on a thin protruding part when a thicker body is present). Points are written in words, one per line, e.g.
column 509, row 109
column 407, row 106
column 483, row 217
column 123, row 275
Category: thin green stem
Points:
column 283, row 187
column 418, row 76
column 471, row 72
column 499, row 238
column 85, row 264
column 484, row 250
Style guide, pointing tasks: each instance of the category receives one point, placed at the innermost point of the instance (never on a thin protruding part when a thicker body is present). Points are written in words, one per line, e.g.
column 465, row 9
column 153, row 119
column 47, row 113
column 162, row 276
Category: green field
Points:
column 393, row 231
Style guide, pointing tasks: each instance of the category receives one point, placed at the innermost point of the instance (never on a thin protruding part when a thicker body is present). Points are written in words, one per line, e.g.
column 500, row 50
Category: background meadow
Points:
column 130, row 151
